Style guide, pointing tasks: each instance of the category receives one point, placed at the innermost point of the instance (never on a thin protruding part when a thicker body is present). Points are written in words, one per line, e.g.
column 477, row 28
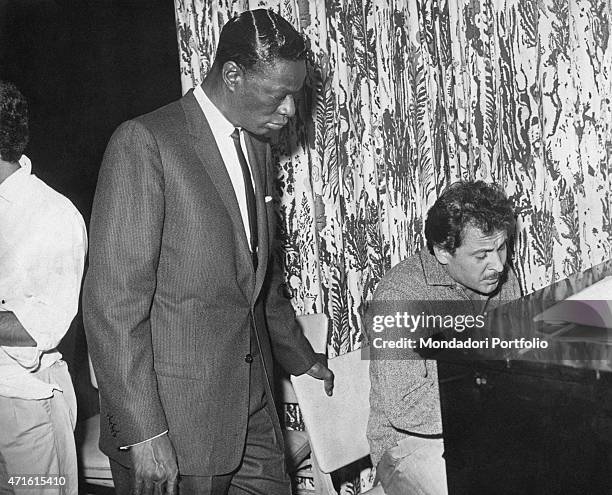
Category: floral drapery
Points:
column 406, row 96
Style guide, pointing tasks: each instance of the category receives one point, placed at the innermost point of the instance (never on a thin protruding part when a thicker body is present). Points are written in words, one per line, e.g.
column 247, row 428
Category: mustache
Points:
column 498, row 276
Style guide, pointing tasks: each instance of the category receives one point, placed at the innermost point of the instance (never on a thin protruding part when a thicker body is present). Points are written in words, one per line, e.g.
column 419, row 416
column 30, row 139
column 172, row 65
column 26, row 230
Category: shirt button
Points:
column 248, row 358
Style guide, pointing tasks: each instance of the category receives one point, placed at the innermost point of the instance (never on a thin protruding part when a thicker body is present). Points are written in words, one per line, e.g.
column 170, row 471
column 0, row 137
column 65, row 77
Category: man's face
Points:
column 265, row 96
column 479, row 262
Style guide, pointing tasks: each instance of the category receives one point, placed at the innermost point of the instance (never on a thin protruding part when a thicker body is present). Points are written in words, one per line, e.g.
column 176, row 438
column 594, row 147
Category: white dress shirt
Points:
column 222, row 131
column 43, row 243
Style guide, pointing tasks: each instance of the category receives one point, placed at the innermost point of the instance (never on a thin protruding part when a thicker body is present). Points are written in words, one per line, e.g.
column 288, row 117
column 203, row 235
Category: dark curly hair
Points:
column 258, row 37
column 14, row 132
column 468, row 203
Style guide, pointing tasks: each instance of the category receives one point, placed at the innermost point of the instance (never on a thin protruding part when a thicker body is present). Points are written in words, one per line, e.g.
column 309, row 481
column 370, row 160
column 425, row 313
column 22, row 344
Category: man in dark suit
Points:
column 183, row 306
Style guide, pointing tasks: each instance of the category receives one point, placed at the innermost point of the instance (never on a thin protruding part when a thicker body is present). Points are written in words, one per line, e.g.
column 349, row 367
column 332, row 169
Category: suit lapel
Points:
column 257, row 160
column 206, row 148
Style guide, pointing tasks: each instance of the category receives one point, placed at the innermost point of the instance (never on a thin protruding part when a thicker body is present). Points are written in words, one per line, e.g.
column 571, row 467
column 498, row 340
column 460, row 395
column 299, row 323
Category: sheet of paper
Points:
column 583, row 317
column 599, row 291
column 571, row 332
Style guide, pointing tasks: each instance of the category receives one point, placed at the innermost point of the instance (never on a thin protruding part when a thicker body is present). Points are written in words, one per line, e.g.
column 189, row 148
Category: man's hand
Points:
column 154, row 467
column 320, row 371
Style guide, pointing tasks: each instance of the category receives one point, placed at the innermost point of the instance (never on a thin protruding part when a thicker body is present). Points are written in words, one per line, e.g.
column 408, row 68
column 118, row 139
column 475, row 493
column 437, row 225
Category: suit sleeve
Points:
column 291, row 349
column 125, row 237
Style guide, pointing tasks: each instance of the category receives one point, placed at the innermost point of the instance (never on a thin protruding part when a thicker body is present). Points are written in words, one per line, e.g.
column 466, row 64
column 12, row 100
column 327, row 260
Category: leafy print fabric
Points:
column 404, row 97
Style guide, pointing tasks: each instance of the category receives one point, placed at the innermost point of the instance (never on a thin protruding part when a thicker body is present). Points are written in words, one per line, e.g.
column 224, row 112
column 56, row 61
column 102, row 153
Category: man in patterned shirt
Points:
column 467, row 232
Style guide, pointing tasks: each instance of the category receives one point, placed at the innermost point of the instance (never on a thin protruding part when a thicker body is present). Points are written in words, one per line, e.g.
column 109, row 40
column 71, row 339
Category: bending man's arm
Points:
column 125, row 237
column 291, row 349
column 126, row 231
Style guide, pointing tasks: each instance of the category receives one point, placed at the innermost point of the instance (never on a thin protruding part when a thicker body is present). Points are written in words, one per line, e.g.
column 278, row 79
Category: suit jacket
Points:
column 171, row 296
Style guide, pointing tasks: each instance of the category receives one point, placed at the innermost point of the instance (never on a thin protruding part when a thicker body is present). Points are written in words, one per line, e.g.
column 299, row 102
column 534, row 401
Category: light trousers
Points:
column 37, row 438
column 414, row 466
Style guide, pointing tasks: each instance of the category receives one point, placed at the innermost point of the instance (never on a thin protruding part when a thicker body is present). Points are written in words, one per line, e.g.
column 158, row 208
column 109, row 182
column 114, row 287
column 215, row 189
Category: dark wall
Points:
column 85, row 66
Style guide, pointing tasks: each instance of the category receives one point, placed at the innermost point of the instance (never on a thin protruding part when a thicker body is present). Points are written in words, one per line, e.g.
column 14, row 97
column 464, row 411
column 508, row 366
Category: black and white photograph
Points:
column 305, row 247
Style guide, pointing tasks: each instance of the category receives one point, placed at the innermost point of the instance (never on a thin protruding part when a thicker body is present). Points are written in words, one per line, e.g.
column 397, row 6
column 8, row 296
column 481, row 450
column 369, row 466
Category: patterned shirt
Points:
column 404, row 395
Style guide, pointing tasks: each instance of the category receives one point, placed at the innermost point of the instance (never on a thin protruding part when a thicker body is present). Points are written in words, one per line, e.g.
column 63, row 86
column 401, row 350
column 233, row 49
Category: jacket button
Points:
column 248, row 358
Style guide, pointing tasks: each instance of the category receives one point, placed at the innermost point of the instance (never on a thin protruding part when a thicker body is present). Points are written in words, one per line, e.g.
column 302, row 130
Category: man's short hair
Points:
column 468, row 203
column 259, row 37
column 14, row 132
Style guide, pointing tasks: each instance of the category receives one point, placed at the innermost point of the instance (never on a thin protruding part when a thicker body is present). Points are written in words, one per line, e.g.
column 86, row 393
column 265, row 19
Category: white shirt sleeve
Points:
column 46, row 299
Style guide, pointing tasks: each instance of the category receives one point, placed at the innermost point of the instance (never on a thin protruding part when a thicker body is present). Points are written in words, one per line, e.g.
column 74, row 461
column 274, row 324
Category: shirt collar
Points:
column 434, row 272
column 12, row 187
column 220, row 126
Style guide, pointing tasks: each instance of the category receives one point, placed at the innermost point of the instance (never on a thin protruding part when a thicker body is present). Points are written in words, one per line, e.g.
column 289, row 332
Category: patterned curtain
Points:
column 404, row 97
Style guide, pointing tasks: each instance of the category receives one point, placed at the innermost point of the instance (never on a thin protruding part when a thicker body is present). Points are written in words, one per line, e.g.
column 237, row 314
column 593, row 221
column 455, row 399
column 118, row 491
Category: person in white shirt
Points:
column 43, row 243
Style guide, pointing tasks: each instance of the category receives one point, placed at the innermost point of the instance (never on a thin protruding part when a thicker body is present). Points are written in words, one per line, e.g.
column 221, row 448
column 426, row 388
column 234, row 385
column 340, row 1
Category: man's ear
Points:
column 232, row 75
column 442, row 255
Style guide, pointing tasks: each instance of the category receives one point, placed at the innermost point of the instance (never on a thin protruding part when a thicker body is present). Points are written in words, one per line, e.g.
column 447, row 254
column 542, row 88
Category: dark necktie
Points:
column 250, row 195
